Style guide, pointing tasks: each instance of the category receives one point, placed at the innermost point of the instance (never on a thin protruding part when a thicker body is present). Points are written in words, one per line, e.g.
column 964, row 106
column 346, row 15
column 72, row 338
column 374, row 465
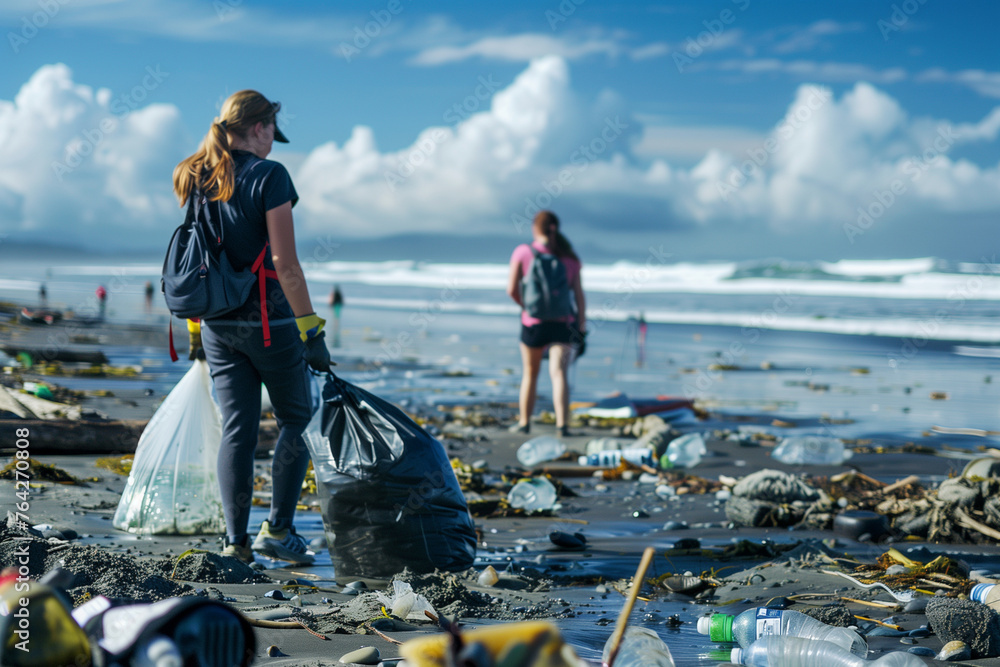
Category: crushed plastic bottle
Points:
column 684, row 452
column 988, row 594
column 759, row 622
column 539, row 450
column 598, row 445
column 610, row 459
column 801, row 652
column 640, row 647
column 533, row 495
column 811, row 449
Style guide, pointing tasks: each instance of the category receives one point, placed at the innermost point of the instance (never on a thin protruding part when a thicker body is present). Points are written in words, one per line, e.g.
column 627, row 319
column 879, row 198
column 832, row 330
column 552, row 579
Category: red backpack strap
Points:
column 262, row 275
column 173, row 350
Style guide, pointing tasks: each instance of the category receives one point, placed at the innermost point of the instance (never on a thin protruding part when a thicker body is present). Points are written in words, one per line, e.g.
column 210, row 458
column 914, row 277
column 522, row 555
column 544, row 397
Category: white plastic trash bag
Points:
column 405, row 603
column 173, row 488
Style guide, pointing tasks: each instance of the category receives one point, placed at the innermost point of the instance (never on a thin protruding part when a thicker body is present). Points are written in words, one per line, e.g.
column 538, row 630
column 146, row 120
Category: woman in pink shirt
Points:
column 560, row 334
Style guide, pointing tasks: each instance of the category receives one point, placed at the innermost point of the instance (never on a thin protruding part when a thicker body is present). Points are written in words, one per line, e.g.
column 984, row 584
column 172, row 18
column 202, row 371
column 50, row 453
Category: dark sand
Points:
column 544, row 581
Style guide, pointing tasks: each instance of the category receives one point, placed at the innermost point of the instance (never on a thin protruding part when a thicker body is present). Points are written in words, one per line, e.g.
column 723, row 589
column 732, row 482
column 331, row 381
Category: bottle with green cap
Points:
column 758, row 622
column 684, row 452
column 800, row 652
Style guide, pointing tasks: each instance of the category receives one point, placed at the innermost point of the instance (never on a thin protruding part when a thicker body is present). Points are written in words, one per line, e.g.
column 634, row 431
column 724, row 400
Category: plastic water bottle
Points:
column 610, row 459
column 759, row 622
column 684, row 452
column 988, row 594
column 640, row 647
column 598, row 445
column 539, row 450
column 813, row 449
column 800, row 652
column 532, row 495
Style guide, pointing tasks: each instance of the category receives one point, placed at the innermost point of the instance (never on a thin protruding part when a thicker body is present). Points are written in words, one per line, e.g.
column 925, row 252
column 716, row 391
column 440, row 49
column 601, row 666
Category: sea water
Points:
column 845, row 349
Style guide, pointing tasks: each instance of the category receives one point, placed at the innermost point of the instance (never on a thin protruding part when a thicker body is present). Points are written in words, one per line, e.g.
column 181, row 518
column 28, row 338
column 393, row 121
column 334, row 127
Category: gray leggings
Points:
column 239, row 363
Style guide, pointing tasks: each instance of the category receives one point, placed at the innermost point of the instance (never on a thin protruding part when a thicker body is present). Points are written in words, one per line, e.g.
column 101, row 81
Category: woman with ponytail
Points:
column 251, row 199
column 560, row 335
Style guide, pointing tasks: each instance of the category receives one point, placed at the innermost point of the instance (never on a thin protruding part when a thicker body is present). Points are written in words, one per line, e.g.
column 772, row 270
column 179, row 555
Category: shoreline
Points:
column 618, row 517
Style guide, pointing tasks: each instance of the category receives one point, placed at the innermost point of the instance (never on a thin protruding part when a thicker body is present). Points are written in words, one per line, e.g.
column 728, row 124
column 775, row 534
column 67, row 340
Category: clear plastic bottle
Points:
column 988, row 594
column 539, row 450
column 777, row 651
column 812, row 449
column 684, row 452
column 611, row 459
column 533, row 494
column 759, row 622
column 640, row 647
column 607, row 444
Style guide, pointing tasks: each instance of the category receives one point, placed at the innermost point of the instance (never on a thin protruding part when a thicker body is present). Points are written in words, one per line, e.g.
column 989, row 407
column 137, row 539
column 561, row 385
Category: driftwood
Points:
column 63, row 436
column 58, row 354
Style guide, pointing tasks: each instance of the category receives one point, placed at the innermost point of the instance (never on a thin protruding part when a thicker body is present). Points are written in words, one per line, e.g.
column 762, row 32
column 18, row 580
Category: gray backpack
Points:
column 545, row 291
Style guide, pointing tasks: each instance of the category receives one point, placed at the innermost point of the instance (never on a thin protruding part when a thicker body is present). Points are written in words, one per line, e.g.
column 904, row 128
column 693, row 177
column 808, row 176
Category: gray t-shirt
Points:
column 261, row 185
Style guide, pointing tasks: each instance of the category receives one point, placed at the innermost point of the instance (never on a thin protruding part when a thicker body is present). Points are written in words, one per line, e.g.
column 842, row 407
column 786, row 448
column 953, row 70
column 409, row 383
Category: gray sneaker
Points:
column 282, row 545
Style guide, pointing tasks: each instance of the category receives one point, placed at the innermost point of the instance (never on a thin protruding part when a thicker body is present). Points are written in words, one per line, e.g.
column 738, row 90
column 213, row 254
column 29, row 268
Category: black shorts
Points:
column 547, row 333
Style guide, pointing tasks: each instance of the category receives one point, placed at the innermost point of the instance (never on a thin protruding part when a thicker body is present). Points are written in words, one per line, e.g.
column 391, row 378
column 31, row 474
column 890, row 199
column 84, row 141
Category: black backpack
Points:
column 198, row 280
column 545, row 291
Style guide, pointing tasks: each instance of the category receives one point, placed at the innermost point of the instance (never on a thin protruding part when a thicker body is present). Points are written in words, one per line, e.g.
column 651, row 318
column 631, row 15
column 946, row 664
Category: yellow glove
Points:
column 195, row 350
column 309, row 326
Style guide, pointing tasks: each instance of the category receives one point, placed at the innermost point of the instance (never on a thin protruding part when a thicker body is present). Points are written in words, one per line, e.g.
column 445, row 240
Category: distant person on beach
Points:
column 43, row 296
column 255, row 198
column 149, row 295
column 336, row 302
column 558, row 334
column 102, row 300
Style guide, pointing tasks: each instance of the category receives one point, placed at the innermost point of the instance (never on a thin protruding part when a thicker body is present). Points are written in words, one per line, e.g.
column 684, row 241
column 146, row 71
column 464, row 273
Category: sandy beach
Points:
column 582, row 590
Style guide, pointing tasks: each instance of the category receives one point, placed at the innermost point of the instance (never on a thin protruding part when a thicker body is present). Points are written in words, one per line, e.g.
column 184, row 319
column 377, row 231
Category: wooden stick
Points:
column 887, row 625
column 912, row 479
column 368, row 626
column 968, row 522
column 640, row 575
column 870, row 603
column 963, row 431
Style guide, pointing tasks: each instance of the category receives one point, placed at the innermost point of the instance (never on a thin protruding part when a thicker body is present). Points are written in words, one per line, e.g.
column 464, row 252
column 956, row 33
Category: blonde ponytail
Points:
column 211, row 168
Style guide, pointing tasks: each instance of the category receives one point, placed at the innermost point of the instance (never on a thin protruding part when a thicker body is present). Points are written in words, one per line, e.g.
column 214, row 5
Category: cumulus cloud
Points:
column 80, row 164
column 85, row 165
column 536, row 144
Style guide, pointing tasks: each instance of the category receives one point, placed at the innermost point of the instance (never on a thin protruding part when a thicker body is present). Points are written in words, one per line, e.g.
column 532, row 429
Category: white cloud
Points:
column 810, row 37
column 78, row 164
column 505, row 152
column 518, row 48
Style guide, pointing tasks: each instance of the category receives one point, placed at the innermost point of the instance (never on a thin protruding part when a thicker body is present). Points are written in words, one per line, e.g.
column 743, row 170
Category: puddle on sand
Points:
column 590, row 628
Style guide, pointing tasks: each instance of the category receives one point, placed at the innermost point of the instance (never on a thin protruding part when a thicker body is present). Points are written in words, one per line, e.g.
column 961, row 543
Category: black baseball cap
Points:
column 279, row 136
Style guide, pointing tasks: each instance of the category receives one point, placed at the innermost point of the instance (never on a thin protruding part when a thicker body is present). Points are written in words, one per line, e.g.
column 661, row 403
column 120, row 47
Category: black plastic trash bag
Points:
column 390, row 497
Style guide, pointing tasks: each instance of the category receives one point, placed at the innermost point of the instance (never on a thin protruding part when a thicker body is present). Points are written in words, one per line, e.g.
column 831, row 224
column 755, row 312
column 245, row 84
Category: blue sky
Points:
column 725, row 129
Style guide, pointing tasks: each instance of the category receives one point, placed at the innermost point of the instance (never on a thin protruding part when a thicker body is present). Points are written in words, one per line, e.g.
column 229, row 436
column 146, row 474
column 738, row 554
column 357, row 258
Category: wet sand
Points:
column 619, row 519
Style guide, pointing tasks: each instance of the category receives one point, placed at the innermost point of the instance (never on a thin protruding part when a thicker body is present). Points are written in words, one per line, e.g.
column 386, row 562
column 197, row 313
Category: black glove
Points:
column 580, row 343
column 195, row 350
column 316, row 355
